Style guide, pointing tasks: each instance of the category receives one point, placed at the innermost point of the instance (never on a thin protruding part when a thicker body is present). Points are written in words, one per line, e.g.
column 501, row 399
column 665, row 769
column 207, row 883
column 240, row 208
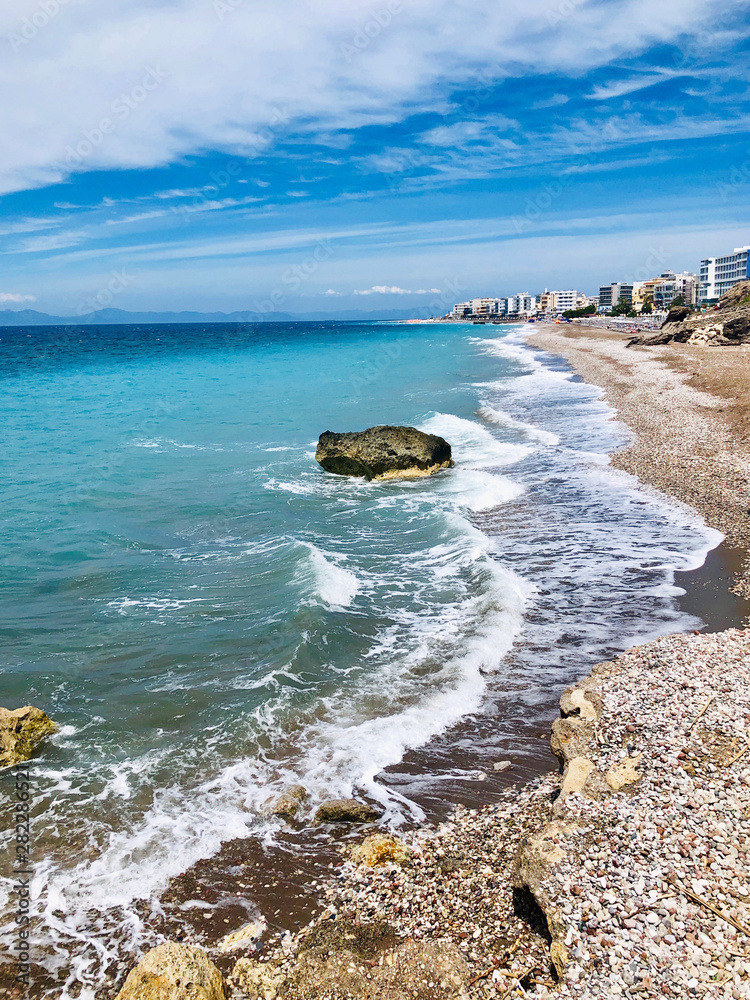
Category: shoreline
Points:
column 293, row 881
column 538, row 826
column 685, row 407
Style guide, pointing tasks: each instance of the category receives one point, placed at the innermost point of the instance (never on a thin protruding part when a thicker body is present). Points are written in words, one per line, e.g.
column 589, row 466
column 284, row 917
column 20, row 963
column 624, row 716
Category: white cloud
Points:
column 555, row 101
column 464, row 132
column 16, row 297
column 156, row 214
column 122, row 91
column 582, row 140
column 619, row 88
column 332, row 291
column 394, row 290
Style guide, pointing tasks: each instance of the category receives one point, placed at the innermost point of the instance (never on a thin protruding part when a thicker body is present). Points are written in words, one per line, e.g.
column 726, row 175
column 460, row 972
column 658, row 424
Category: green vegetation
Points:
column 623, row 308
column 678, row 300
column 584, row 311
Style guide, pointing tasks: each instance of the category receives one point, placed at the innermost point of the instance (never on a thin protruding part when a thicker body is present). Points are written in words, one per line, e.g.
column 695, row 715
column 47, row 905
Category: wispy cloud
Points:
column 619, row 88
column 555, row 101
column 16, row 297
column 139, row 217
column 395, row 290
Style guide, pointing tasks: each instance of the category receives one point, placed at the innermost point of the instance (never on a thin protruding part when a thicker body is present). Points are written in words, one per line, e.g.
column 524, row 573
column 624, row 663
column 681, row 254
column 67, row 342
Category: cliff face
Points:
column 727, row 323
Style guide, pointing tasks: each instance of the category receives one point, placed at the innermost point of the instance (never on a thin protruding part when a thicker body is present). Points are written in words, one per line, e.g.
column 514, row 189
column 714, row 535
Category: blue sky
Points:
column 315, row 156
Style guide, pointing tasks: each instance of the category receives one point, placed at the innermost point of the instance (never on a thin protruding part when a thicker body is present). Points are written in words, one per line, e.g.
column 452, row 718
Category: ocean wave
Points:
column 502, row 419
column 474, row 446
column 333, row 584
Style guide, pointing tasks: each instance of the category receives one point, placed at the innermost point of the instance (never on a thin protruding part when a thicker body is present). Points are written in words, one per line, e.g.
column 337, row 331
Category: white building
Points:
column 461, row 309
column 719, row 274
column 560, row 301
column 568, row 299
column 521, row 304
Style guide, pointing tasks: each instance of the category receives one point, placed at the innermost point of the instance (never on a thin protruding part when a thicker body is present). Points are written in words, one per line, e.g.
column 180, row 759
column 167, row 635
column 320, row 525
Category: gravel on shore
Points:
column 626, row 875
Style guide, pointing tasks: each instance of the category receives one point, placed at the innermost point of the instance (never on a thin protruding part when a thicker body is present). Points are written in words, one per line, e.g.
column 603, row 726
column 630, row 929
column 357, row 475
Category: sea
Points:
column 212, row 619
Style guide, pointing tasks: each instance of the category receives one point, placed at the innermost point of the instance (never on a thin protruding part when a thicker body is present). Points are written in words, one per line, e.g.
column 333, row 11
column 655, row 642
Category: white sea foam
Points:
column 478, row 490
column 501, row 419
column 474, row 446
column 124, row 605
column 335, row 585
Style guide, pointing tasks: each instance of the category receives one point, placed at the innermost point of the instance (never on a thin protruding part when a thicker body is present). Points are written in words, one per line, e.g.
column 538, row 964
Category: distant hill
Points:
column 31, row 317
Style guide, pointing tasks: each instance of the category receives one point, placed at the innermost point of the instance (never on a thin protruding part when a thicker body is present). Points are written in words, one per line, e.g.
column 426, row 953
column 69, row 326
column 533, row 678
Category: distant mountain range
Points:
column 31, row 317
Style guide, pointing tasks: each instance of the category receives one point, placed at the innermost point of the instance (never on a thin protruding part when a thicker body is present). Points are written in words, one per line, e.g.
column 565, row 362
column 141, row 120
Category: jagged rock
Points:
column 383, row 453
column 576, row 775
column 21, row 732
column 256, row 980
column 535, row 862
column 582, row 703
column 346, row 811
column 174, row 972
column 380, row 849
column 572, row 737
column 677, row 315
column 287, row 805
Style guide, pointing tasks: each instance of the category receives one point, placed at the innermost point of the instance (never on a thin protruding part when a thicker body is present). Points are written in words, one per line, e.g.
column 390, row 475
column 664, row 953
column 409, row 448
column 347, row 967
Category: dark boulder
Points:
column 677, row 315
column 383, row 453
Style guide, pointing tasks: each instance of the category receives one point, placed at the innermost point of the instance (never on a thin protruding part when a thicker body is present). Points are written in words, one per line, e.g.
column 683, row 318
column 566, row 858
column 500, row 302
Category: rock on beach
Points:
column 383, row 453
column 21, row 732
column 346, row 811
column 174, row 972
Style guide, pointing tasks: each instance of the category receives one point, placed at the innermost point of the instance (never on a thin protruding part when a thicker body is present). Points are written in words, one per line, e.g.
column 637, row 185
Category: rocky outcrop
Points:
column 727, row 323
column 383, row 453
column 174, row 972
column 21, row 732
column 346, row 811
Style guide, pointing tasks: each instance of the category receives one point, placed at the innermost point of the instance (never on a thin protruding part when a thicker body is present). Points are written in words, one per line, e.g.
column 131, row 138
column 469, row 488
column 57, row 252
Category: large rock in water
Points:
column 21, row 732
column 383, row 453
column 174, row 972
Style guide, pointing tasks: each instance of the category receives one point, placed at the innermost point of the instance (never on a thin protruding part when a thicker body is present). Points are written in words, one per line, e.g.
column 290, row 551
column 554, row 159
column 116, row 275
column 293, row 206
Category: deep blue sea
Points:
column 212, row 618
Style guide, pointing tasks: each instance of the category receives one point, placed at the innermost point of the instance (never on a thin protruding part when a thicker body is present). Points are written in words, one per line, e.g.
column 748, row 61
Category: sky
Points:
column 319, row 156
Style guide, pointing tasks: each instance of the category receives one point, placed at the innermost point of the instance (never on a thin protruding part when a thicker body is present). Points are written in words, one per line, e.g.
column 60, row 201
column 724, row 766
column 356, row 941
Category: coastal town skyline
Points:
column 394, row 165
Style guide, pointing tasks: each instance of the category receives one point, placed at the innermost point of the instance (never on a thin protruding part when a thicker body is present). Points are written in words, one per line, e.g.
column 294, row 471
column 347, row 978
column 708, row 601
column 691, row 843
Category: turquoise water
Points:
column 210, row 617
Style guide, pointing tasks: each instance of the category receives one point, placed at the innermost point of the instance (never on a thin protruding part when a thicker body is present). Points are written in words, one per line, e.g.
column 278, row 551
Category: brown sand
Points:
column 690, row 409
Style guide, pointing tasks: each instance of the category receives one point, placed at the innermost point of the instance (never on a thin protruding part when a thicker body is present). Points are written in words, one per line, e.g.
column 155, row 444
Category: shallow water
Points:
column 211, row 618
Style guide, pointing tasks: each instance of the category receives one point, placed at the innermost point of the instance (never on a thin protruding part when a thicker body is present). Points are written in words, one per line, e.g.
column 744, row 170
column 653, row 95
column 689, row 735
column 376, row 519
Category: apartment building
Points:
column 614, row 293
column 719, row 274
